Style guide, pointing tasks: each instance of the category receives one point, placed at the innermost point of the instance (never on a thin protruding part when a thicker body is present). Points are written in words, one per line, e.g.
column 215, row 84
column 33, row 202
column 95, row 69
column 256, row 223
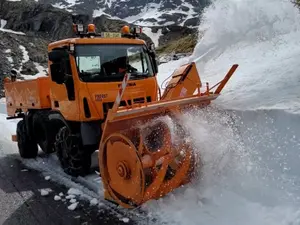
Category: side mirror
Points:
column 154, row 61
column 58, row 57
column 14, row 72
column 57, row 73
column 152, row 47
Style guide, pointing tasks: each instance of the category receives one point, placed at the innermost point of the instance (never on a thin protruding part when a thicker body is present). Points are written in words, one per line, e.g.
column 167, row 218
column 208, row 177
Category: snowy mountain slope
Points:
column 143, row 12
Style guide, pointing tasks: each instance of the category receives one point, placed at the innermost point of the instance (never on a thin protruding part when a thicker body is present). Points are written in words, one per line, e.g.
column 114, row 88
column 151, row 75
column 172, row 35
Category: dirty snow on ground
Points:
column 73, row 200
column 57, row 198
column 125, row 220
column 45, row 192
column 25, row 58
column 42, row 71
column 73, row 206
column 9, row 58
column 2, row 25
column 25, row 54
column 94, row 202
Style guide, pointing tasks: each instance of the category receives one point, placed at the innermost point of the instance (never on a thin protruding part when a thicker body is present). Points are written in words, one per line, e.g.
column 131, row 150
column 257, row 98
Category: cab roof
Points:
column 95, row 40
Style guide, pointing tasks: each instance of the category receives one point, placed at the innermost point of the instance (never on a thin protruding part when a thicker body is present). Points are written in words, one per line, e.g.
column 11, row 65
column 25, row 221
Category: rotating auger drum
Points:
column 143, row 163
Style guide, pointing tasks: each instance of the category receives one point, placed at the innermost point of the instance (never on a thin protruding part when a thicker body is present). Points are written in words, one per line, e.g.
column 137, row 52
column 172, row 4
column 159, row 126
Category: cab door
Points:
column 63, row 88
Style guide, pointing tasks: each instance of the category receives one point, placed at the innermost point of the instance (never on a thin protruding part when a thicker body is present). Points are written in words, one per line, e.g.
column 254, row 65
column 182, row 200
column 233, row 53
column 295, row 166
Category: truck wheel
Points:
column 73, row 159
column 27, row 146
column 44, row 131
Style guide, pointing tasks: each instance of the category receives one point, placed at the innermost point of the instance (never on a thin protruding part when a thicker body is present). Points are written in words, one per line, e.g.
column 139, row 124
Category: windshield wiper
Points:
column 89, row 73
column 142, row 75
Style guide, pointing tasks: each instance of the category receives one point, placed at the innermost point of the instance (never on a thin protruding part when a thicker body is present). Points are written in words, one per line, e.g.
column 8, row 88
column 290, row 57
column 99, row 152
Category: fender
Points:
column 57, row 116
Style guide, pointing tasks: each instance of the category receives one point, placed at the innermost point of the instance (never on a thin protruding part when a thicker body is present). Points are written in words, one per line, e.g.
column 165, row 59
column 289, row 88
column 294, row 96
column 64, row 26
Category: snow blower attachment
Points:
column 102, row 94
column 145, row 152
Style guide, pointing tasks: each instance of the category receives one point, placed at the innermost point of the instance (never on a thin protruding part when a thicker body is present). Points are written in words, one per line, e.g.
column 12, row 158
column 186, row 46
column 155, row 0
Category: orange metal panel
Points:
column 97, row 40
column 180, row 70
column 184, row 82
column 27, row 94
column 99, row 93
column 14, row 138
column 68, row 108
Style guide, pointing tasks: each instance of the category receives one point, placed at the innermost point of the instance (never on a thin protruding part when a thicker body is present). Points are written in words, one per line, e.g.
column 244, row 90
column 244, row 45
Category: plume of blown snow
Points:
column 245, row 178
column 260, row 36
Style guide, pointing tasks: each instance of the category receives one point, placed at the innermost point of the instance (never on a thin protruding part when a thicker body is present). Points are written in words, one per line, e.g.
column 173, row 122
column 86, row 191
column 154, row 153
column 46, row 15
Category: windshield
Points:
column 104, row 63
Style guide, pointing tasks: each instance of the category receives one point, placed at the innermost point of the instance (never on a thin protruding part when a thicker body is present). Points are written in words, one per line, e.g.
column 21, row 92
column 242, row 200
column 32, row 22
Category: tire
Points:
column 27, row 146
column 74, row 160
column 44, row 131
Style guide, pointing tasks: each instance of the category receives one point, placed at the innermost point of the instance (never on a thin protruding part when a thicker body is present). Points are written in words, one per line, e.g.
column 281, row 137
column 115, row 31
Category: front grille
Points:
column 109, row 105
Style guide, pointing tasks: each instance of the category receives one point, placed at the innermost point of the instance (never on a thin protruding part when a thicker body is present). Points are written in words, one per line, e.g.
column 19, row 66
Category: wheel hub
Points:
column 123, row 170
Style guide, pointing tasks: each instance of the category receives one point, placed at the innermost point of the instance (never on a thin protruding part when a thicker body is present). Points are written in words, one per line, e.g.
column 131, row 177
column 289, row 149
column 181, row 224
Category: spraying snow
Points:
column 260, row 36
column 250, row 157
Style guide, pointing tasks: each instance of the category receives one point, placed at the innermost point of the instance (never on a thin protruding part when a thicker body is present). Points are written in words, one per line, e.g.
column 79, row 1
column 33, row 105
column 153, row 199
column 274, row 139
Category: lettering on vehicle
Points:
column 99, row 97
column 128, row 85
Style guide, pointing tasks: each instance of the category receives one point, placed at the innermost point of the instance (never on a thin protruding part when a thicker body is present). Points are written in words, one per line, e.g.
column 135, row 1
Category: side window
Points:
column 60, row 64
column 67, row 64
column 136, row 59
column 88, row 64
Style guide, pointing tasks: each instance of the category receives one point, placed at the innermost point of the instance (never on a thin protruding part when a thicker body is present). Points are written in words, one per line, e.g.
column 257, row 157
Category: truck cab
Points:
column 86, row 72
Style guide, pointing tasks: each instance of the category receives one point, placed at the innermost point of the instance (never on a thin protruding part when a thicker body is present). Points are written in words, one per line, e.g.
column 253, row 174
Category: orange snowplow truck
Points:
column 102, row 94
